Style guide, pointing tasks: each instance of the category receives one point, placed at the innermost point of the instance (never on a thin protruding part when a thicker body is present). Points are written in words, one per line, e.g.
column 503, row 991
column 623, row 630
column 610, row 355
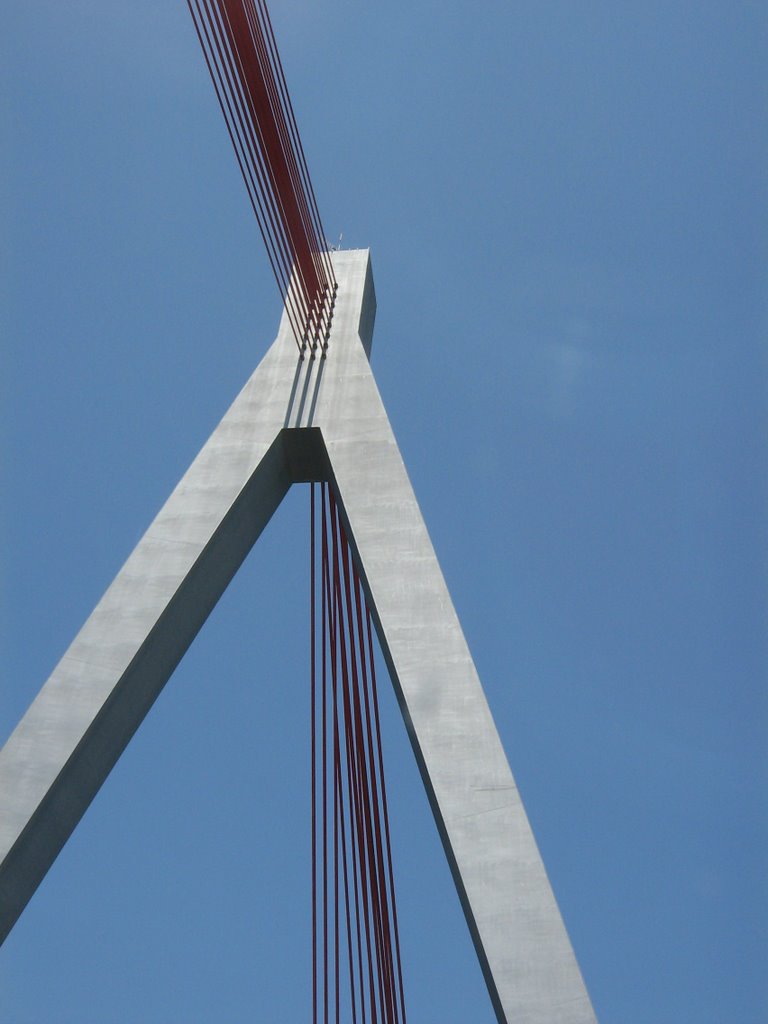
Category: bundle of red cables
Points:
column 241, row 54
column 355, row 941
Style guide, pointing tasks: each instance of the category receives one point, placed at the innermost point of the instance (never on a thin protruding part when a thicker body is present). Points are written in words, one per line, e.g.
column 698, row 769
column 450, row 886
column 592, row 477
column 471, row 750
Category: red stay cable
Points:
column 385, row 810
column 368, row 801
column 313, row 755
column 353, row 759
column 239, row 47
column 383, row 894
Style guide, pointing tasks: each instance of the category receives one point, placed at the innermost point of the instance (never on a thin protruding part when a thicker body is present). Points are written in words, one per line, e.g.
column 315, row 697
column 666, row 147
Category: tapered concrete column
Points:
column 302, row 420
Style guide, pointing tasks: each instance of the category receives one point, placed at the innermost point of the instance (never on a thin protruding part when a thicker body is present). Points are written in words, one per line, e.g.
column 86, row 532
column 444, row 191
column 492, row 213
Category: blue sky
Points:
column 566, row 205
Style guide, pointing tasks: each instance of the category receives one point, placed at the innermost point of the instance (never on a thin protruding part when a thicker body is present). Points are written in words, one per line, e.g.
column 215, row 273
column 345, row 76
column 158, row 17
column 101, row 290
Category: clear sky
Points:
column 566, row 206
